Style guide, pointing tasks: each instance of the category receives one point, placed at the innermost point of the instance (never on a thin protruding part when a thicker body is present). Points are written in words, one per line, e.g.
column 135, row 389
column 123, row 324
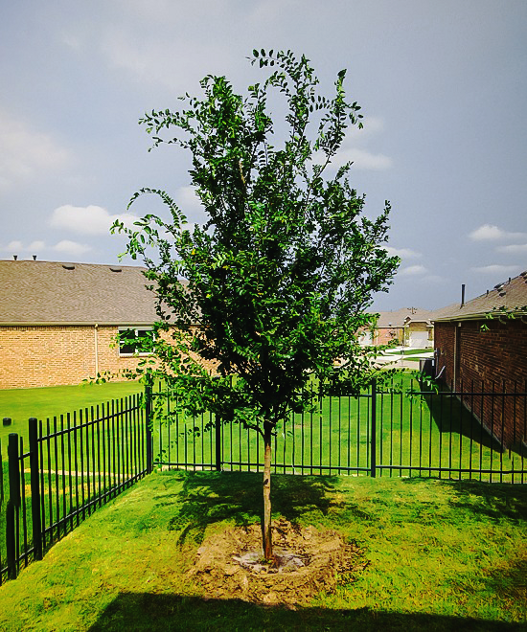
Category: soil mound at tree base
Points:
column 306, row 562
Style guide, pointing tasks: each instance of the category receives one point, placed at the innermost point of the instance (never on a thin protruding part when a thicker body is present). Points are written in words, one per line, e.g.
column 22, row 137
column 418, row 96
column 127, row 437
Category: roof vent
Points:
column 15, row 257
column 68, row 266
column 34, row 257
column 116, row 269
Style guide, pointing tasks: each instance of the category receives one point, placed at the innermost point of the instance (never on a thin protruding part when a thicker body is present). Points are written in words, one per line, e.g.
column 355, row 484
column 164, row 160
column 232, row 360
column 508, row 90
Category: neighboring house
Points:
column 59, row 321
column 481, row 347
column 409, row 327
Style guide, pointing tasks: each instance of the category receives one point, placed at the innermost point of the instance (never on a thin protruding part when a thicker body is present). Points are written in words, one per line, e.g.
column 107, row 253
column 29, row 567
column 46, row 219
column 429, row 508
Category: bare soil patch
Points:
column 307, row 561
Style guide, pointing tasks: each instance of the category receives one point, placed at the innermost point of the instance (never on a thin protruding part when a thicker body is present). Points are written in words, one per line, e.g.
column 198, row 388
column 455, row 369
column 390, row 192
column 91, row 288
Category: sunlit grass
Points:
column 442, row 555
column 21, row 404
column 77, row 468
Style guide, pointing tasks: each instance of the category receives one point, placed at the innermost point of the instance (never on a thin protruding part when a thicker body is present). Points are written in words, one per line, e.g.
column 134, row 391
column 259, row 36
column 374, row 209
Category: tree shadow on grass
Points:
column 149, row 612
column 210, row 497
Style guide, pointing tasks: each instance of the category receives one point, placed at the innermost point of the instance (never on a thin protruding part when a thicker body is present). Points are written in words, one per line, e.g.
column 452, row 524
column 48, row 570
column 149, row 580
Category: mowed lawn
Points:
column 42, row 403
column 416, row 436
column 326, row 441
column 442, row 555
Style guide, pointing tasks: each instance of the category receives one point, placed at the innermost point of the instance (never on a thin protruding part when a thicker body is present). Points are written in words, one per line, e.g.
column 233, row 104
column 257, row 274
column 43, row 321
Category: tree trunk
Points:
column 266, row 525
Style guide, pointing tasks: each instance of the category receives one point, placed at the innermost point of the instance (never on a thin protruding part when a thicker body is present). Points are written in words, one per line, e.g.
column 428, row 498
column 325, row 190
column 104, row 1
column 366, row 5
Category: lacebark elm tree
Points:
column 279, row 277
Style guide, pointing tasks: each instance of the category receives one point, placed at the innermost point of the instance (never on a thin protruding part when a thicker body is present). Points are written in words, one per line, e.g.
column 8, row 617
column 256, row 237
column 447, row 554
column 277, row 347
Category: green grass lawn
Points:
column 415, row 437
column 410, row 351
column 44, row 403
column 442, row 555
column 21, row 404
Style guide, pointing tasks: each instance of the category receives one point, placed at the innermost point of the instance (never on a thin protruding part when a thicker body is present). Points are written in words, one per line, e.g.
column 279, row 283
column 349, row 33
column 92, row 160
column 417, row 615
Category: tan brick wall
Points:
column 421, row 328
column 57, row 355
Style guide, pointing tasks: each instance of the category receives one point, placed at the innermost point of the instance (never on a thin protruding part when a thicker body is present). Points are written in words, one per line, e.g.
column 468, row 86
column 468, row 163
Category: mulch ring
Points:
column 307, row 561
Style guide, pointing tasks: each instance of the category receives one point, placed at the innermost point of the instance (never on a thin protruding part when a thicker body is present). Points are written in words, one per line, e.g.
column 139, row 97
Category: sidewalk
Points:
column 400, row 361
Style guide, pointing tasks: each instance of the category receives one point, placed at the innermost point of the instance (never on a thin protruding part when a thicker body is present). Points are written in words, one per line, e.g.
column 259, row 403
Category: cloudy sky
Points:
column 442, row 85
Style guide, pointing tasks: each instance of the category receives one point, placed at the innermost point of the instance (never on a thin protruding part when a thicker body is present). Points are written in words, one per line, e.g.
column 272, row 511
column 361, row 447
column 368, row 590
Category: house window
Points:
column 133, row 342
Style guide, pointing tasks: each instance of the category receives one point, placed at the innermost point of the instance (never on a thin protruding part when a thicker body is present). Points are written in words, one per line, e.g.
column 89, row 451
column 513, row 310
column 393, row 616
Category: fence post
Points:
column 218, row 442
column 13, row 469
column 35, row 488
column 373, row 446
column 149, row 423
column 10, row 540
column 1, row 476
column 13, row 503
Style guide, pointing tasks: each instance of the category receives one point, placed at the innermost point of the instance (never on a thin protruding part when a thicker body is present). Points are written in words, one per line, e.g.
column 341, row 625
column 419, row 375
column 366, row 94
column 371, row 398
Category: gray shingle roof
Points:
column 510, row 295
column 56, row 292
column 400, row 317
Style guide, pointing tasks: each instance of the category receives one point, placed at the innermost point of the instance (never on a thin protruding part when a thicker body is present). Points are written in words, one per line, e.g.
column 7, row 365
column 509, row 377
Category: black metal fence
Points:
column 400, row 431
column 71, row 465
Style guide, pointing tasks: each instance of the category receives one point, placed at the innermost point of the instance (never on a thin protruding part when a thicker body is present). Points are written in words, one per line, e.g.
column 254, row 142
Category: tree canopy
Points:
column 266, row 301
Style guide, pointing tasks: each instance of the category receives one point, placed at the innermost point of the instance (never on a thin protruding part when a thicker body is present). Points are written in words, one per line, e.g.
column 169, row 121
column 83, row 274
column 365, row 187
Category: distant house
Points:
column 59, row 321
column 409, row 327
column 481, row 347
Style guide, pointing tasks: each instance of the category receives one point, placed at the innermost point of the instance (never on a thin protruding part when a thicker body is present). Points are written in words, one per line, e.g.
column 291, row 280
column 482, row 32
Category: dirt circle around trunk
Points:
column 307, row 561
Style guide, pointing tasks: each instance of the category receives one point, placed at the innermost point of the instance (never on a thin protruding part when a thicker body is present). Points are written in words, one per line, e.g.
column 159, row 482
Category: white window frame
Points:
column 136, row 330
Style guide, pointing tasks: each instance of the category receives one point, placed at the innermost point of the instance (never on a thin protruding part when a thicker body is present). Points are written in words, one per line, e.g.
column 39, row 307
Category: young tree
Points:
column 279, row 277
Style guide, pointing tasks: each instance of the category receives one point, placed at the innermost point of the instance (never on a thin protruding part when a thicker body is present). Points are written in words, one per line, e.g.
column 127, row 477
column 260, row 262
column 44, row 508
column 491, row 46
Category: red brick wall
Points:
column 386, row 335
column 57, row 355
column 60, row 355
column 492, row 360
column 444, row 341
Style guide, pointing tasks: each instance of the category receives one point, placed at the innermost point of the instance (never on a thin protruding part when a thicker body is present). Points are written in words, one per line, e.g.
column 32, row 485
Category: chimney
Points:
column 462, row 295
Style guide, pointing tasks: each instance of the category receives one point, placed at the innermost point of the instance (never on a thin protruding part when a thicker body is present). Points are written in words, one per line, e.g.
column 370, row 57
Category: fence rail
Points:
column 72, row 465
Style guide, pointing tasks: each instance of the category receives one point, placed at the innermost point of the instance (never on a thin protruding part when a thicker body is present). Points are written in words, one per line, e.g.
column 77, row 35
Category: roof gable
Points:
column 407, row 315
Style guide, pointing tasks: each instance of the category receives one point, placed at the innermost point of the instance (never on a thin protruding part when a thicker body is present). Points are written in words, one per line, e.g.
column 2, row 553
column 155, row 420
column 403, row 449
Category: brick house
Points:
column 409, row 327
column 59, row 321
column 481, row 347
